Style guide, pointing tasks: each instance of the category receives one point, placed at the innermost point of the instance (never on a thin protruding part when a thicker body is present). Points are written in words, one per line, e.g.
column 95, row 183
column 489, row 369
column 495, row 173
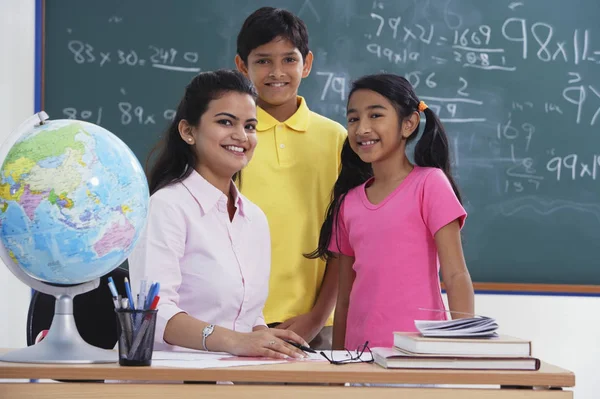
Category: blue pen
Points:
column 115, row 295
column 113, row 289
column 150, row 292
column 154, row 289
column 128, row 291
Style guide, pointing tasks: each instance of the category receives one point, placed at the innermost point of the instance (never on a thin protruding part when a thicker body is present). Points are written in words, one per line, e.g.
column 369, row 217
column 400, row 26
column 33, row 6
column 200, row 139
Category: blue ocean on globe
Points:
column 73, row 201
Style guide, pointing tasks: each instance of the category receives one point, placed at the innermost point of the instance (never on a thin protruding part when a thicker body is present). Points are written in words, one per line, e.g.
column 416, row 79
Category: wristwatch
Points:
column 206, row 333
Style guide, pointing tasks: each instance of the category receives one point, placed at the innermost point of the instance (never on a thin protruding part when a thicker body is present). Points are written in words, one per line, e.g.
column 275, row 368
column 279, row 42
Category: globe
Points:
column 73, row 201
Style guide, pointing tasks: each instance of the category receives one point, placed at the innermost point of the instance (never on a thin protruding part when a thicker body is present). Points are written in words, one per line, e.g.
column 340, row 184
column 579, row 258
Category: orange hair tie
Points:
column 422, row 106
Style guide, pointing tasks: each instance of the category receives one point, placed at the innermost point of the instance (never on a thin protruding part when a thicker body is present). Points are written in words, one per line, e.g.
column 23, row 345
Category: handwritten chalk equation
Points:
column 168, row 59
column 573, row 166
column 471, row 47
column 126, row 113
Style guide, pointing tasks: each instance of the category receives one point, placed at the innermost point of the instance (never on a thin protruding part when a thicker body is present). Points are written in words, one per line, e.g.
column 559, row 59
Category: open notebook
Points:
column 469, row 327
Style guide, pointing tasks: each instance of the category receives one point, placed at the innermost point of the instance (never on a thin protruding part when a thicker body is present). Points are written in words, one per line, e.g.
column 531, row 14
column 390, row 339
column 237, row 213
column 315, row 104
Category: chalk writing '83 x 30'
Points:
column 158, row 57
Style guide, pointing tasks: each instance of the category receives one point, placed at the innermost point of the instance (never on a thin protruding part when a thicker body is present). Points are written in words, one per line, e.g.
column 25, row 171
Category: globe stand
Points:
column 62, row 344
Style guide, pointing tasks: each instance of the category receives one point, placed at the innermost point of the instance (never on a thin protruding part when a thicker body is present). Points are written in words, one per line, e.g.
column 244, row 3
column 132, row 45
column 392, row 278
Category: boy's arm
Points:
column 308, row 325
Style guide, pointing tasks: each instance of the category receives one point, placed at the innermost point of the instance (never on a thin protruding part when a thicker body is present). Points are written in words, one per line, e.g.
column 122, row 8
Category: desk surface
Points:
column 299, row 372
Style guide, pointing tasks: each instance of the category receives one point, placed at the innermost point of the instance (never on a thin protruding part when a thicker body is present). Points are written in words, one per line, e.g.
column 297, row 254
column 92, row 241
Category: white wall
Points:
column 564, row 330
column 17, row 26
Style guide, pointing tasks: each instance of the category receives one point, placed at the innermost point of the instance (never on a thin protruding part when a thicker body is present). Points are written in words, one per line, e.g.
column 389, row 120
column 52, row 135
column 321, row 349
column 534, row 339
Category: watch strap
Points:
column 206, row 332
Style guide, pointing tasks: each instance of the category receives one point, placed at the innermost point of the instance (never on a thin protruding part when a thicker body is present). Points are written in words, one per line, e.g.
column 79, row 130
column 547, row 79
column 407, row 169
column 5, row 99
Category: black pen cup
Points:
column 135, row 329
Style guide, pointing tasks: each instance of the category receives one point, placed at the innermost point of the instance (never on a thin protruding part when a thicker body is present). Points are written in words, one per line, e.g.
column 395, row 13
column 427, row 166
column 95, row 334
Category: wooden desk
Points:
column 547, row 383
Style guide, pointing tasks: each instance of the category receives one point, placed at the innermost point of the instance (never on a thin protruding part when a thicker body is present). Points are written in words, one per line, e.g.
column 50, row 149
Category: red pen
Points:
column 154, row 303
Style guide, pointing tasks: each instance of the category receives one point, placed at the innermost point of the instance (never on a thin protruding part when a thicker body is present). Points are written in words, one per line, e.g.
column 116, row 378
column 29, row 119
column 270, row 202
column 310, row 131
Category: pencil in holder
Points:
column 135, row 329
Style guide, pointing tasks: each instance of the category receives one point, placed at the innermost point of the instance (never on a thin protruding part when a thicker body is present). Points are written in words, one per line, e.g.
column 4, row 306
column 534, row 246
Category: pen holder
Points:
column 135, row 329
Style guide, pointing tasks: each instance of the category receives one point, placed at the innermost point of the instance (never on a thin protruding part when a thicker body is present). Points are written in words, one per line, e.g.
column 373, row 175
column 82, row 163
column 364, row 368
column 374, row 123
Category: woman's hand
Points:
column 262, row 342
column 267, row 343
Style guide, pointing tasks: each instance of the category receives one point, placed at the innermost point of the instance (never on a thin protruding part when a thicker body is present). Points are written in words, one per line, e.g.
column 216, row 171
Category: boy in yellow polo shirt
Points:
column 292, row 174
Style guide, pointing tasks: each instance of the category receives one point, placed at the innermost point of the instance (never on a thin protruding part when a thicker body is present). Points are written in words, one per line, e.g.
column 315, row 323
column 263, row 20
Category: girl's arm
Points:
column 309, row 324
column 455, row 275
column 346, row 279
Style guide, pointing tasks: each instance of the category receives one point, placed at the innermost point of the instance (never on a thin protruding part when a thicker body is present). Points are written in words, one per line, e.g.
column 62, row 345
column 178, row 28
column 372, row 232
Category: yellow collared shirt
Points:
column 290, row 177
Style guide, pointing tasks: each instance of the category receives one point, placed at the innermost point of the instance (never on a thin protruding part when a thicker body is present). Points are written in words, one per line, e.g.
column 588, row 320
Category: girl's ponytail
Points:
column 432, row 149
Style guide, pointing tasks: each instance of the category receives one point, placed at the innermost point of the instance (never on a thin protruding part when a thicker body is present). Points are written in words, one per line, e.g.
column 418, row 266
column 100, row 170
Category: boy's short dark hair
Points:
column 267, row 23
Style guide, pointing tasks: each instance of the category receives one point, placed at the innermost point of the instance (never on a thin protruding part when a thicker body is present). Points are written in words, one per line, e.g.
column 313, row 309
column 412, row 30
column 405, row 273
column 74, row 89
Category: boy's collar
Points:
column 298, row 121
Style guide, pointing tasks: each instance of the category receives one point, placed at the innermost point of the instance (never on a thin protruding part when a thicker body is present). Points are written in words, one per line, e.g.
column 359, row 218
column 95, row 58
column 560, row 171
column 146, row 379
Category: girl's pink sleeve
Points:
column 340, row 242
column 440, row 205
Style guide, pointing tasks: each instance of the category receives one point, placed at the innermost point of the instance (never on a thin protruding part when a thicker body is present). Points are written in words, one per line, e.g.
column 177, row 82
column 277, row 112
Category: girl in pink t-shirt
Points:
column 393, row 225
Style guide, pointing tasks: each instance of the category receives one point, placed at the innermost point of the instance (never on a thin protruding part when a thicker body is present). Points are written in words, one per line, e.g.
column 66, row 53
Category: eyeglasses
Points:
column 362, row 355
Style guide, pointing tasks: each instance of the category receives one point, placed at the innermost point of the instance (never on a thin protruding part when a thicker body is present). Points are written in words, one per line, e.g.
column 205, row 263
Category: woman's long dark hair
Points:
column 431, row 149
column 175, row 159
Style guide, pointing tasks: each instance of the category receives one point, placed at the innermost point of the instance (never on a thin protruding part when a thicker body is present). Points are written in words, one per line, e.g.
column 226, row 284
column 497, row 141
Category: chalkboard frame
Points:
column 480, row 287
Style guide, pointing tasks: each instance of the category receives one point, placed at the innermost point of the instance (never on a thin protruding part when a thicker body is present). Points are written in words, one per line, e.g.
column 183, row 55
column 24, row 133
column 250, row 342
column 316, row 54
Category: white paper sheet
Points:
column 203, row 360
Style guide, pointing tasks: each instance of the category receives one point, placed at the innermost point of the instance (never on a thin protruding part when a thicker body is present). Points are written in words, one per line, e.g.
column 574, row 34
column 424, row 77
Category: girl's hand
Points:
column 306, row 325
column 267, row 343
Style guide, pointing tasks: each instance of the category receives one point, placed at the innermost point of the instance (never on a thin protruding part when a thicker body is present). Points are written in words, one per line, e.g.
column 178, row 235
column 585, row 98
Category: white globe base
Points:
column 62, row 344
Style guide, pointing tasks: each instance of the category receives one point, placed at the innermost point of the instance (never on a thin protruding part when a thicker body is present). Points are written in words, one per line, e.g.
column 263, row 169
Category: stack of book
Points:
column 468, row 344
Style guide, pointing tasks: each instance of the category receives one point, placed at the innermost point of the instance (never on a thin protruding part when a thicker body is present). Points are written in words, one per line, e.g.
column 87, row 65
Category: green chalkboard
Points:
column 517, row 84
